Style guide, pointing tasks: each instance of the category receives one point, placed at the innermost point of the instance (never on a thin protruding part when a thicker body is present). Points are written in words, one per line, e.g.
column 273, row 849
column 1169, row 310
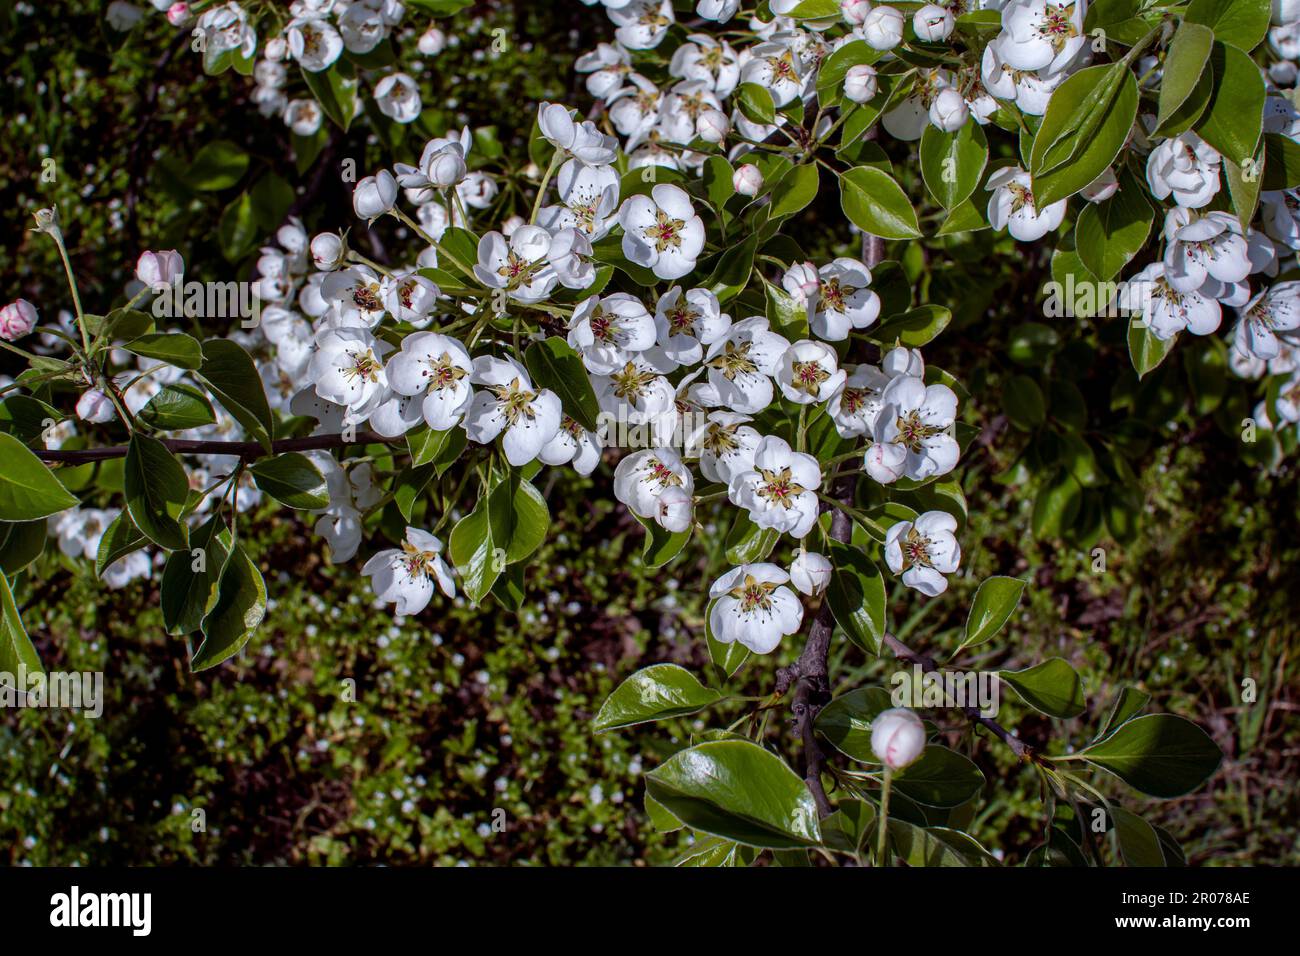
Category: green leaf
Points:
column 795, row 190
column 218, row 165
column 658, row 692
column 1052, row 688
column 917, row 846
column 876, row 204
column 441, row 8
column 940, row 778
column 952, row 164
column 236, row 613
column 995, row 601
column 440, row 449
column 336, row 95
column 174, row 348
column 1110, row 233
column 747, row 543
column 21, row 543
column 1242, row 23
column 784, row 316
column 28, row 489
column 231, row 375
column 728, row 658
column 1281, row 165
column 1128, row 705
column 472, row 550
column 1144, row 349
column 177, row 406
column 1138, row 843
column 293, row 480
column 1234, row 118
column 553, row 364
column 272, row 197
column 190, row 575
column 856, row 594
column 1022, row 401
column 756, row 103
column 518, row 517
column 1088, row 120
column 661, row 545
column 1189, row 53
column 913, row 328
column 237, row 230
column 121, row 538
column 16, row 648
column 1160, row 755
column 156, row 489
column 846, row 721
column 738, row 791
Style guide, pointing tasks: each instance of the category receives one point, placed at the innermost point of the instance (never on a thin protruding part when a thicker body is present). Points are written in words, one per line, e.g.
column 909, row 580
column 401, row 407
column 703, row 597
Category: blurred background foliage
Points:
column 465, row 737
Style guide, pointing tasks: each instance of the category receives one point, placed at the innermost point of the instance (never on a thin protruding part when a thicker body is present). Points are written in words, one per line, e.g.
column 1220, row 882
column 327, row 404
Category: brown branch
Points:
column 908, row 656
column 244, row 449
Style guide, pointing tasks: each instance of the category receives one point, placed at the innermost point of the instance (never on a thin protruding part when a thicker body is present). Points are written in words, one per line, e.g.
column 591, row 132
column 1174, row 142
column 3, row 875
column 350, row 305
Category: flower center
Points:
column 656, row 472
column 753, row 595
column 418, row 563
column 1056, row 26
column 363, row 365
column 632, row 382
column 367, row 298
column 444, row 373
column 916, row 550
column 779, row 487
column 913, row 432
column 833, row 294
column 808, row 377
column 666, row 232
column 734, row 361
column 681, row 320
column 515, row 401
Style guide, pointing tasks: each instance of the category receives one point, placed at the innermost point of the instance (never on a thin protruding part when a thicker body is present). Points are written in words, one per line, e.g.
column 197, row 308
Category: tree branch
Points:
column 908, row 656
column 244, row 449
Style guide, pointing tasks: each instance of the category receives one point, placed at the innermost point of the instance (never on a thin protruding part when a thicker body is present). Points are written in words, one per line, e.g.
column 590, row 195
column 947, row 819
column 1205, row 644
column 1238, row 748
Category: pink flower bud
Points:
column 748, row 180
column 159, row 268
column 17, row 319
column 178, row 14
column 95, row 407
column 897, row 737
column 860, row 83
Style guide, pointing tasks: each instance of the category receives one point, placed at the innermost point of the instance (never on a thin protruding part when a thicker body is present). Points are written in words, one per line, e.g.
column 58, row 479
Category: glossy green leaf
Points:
column 336, row 94
column 1160, row 755
column 1144, row 349
column 28, row 489
column 237, row 611
column 21, row 543
column 1138, row 843
column 1052, row 688
column 553, row 364
column 190, row 576
column 1110, row 233
column 795, row 190
column 952, row 164
column 218, row 165
column 940, row 778
column 738, row 791
column 995, row 601
column 876, row 204
column 119, row 539
column 16, row 648
column 1188, row 56
column 232, row 377
column 856, row 594
column 913, row 328
column 658, row 692
column 1242, row 23
column 1234, row 118
column 846, row 721
column 156, row 489
column 440, row 449
column 177, row 406
column 174, row 348
column 1087, row 122
column 756, row 103
column 293, row 480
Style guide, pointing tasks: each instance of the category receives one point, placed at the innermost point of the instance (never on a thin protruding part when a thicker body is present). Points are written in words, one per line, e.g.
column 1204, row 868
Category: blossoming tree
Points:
column 638, row 300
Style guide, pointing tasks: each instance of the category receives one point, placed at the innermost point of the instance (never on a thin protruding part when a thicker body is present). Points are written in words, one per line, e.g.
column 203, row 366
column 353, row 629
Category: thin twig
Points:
column 247, row 450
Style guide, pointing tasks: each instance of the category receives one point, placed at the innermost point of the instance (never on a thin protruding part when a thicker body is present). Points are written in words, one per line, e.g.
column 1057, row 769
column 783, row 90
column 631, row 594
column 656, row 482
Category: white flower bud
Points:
column 802, row 281
column 932, row 23
column 95, row 407
column 948, row 111
column 276, row 48
column 748, row 180
column 713, row 126
column 178, row 14
column 855, row 11
column 673, row 509
column 897, row 737
column 159, row 268
column 883, row 28
column 1101, row 188
column 510, row 225
column 327, row 251
column 810, row 572
column 860, row 83
column 374, row 195
column 432, row 42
